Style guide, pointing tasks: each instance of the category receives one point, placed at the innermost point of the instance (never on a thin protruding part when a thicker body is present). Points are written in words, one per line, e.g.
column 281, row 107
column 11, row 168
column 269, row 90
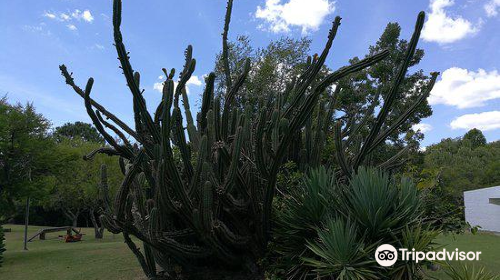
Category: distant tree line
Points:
column 46, row 165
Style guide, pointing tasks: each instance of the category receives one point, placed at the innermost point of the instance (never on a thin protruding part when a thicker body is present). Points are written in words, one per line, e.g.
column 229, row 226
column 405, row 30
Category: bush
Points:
column 328, row 229
column 464, row 272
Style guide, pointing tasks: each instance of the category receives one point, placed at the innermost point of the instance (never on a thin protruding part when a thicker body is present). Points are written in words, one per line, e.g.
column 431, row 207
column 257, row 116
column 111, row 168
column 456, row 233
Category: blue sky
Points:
column 460, row 38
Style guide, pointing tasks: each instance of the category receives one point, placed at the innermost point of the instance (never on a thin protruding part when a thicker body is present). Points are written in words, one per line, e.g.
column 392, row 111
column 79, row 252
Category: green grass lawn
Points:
column 110, row 258
column 487, row 244
column 52, row 258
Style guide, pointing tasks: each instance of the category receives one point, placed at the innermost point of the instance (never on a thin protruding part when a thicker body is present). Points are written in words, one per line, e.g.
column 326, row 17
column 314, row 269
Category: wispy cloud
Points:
column 466, row 89
column 305, row 14
column 422, row 127
column 86, row 15
column 443, row 28
column 72, row 27
column 98, row 46
column 70, row 18
column 193, row 81
column 492, row 8
column 484, row 121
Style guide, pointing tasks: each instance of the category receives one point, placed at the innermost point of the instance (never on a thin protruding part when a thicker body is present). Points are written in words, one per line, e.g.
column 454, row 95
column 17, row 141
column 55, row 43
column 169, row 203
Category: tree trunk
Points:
column 72, row 216
column 26, row 222
column 98, row 231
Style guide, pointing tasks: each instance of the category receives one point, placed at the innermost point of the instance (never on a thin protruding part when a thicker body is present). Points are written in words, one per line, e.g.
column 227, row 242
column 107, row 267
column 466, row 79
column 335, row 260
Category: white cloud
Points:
column 492, row 8
column 423, row 127
column 99, row 46
column 443, row 28
column 158, row 86
column 64, row 17
column 194, row 81
column 482, row 121
column 50, row 15
column 306, row 14
column 85, row 15
column 466, row 89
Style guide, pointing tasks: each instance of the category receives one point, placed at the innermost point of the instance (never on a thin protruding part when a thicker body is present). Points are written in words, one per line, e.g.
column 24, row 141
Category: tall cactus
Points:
column 207, row 211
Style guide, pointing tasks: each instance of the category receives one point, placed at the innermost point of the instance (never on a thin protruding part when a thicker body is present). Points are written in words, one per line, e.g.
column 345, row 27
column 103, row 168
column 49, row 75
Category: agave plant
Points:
column 304, row 208
column 467, row 272
column 340, row 253
column 343, row 224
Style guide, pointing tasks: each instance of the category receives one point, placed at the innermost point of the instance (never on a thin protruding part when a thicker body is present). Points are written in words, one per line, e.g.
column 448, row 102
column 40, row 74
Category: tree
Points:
column 449, row 168
column 75, row 188
column 27, row 155
column 82, row 130
column 475, row 138
column 276, row 65
column 273, row 67
column 360, row 91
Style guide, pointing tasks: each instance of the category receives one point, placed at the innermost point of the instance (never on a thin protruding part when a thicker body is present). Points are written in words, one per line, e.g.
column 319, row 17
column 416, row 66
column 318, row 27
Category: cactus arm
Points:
column 180, row 141
column 406, row 114
column 259, row 152
column 208, row 95
column 123, row 192
column 384, row 111
column 298, row 121
column 225, row 47
column 129, row 72
column 113, row 128
column 186, row 73
column 191, row 128
column 71, row 82
column 138, row 255
column 230, row 96
column 202, row 153
column 126, row 152
column 233, row 168
column 308, row 77
column 394, row 158
column 167, row 165
column 102, row 150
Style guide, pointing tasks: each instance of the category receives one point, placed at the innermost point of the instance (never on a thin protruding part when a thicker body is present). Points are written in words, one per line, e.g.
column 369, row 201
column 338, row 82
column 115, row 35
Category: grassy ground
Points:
column 50, row 259
column 487, row 244
column 110, row 258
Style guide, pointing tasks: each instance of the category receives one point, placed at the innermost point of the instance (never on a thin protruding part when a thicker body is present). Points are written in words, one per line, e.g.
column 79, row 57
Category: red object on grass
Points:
column 73, row 238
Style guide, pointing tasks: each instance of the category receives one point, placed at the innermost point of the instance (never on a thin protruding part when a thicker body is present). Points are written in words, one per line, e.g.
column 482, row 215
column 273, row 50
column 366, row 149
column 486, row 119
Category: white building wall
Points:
column 479, row 211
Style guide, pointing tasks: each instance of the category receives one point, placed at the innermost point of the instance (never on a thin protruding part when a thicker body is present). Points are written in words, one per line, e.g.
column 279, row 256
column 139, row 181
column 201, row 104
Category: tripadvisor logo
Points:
column 387, row 255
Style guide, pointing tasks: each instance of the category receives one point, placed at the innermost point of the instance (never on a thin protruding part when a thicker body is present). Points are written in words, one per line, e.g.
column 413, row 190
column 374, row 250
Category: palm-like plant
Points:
column 340, row 253
column 303, row 207
column 466, row 272
column 380, row 206
column 353, row 219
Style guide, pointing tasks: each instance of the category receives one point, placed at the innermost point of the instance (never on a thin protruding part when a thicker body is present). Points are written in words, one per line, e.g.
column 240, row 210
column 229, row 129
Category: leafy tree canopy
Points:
column 78, row 129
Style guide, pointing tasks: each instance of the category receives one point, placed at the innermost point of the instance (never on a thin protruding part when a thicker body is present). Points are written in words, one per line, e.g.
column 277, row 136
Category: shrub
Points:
column 465, row 272
column 343, row 224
